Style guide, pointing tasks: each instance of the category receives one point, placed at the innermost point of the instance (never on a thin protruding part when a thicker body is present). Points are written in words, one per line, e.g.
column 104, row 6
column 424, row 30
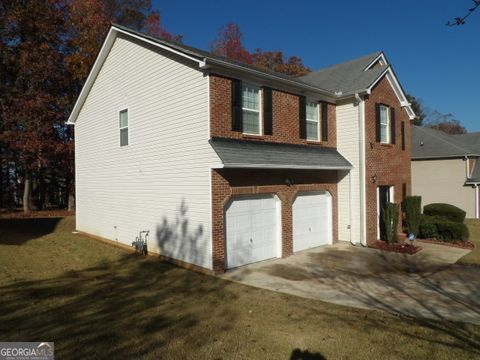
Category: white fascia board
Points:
column 274, row 166
column 262, row 74
column 381, row 56
column 102, row 55
column 397, row 89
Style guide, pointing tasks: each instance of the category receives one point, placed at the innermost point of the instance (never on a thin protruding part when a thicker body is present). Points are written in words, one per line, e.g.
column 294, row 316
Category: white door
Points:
column 252, row 230
column 312, row 220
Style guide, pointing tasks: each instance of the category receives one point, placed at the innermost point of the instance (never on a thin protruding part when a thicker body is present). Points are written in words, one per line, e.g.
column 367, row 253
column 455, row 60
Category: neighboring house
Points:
column 445, row 168
column 226, row 164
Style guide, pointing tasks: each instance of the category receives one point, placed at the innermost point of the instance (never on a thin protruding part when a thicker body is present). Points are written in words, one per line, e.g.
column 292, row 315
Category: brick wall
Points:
column 228, row 183
column 388, row 162
column 285, row 107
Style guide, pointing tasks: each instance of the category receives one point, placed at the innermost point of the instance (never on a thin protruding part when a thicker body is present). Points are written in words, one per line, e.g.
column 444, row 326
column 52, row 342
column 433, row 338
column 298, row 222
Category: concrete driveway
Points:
column 427, row 284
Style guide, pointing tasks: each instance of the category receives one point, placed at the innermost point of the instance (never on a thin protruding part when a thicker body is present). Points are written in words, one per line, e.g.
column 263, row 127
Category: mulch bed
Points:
column 458, row 244
column 35, row 214
column 399, row 248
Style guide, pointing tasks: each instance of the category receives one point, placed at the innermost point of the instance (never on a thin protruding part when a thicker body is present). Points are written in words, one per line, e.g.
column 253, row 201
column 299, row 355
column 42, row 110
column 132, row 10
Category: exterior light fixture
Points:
column 374, row 178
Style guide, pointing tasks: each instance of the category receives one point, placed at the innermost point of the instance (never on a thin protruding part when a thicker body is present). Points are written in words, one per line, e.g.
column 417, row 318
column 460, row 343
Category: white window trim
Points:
column 317, row 121
column 260, row 107
column 388, row 124
column 124, row 127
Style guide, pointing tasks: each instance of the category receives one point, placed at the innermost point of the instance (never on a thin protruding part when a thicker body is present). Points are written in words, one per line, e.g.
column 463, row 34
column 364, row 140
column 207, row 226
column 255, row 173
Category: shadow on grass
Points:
column 432, row 295
column 130, row 308
column 298, row 354
column 18, row 231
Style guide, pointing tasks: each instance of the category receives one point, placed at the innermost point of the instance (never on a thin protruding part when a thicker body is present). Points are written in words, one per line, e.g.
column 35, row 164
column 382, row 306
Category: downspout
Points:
column 477, row 210
column 361, row 143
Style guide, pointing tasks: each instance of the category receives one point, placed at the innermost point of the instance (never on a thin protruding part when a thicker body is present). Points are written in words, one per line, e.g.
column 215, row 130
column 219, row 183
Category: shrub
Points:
column 412, row 205
column 447, row 211
column 428, row 227
column 390, row 220
column 452, row 231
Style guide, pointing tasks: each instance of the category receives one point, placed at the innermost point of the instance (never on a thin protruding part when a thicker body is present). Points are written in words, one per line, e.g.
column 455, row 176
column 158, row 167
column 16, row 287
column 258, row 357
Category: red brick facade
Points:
column 286, row 124
column 228, row 183
column 388, row 162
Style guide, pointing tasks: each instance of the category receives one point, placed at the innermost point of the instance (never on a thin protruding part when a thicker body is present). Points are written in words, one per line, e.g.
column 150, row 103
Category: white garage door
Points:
column 252, row 230
column 312, row 220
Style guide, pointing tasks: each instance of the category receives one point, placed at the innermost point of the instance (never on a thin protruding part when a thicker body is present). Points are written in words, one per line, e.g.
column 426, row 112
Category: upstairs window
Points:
column 123, row 125
column 251, row 110
column 384, row 124
column 312, row 118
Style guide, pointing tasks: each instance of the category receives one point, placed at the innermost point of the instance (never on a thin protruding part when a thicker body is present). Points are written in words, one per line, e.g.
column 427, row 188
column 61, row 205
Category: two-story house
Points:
column 225, row 164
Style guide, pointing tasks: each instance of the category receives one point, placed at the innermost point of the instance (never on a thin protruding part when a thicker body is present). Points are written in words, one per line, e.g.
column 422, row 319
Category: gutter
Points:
column 262, row 74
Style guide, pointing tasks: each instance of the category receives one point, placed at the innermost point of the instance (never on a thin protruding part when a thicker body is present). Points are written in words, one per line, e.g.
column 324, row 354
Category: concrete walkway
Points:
column 422, row 285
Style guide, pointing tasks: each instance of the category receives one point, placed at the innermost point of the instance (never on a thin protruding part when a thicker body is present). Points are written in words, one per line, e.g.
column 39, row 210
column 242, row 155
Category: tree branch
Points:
column 461, row 20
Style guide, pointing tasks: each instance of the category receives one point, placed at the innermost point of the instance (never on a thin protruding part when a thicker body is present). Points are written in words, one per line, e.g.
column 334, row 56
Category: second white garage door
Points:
column 312, row 220
column 252, row 230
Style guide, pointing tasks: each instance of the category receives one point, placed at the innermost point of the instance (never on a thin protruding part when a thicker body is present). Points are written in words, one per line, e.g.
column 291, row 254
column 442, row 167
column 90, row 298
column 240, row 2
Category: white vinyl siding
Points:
column 251, row 109
column 384, row 124
column 162, row 183
column 348, row 138
column 313, row 123
column 123, row 125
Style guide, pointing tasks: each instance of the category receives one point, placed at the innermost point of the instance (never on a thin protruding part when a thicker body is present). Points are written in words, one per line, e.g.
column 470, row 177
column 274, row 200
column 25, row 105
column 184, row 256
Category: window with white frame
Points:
column 384, row 124
column 251, row 109
column 313, row 121
column 123, row 125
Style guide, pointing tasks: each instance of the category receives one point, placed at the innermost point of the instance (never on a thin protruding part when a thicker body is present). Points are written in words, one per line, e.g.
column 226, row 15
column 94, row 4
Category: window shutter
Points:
column 393, row 126
column 377, row 123
column 403, row 135
column 303, row 116
column 267, row 111
column 324, row 106
column 237, row 105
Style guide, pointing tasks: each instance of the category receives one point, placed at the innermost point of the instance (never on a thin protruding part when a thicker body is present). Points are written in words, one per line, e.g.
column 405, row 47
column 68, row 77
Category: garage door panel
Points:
column 251, row 230
column 312, row 220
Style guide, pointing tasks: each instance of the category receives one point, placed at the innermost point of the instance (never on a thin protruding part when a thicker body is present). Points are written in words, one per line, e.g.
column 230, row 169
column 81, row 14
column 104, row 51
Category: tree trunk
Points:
column 27, row 193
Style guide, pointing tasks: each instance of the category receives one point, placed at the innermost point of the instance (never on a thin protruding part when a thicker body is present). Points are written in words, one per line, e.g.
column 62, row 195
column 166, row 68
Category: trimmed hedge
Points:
column 437, row 227
column 428, row 227
column 447, row 211
column 452, row 231
column 412, row 205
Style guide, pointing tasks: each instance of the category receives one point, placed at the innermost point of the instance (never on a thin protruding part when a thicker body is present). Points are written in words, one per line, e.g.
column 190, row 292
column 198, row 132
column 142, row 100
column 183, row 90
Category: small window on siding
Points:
column 123, row 124
column 251, row 110
column 313, row 128
column 384, row 124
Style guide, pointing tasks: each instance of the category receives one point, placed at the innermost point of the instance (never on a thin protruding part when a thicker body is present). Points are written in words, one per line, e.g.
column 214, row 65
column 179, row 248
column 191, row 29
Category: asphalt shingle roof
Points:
column 347, row 77
column 255, row 154
column 430, row 143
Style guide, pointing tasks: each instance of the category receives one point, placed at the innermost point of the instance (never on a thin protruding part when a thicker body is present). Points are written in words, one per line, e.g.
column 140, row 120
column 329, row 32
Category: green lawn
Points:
column 474, row 256
column 96, row 301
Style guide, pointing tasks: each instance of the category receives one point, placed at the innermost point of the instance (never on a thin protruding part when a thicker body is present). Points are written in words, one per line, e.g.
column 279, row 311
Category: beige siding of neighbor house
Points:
column 161, row 181
column 442, row 181
column 348, row 146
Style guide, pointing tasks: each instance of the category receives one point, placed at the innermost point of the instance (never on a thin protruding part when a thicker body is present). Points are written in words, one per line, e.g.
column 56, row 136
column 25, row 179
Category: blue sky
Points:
column 438, row 64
